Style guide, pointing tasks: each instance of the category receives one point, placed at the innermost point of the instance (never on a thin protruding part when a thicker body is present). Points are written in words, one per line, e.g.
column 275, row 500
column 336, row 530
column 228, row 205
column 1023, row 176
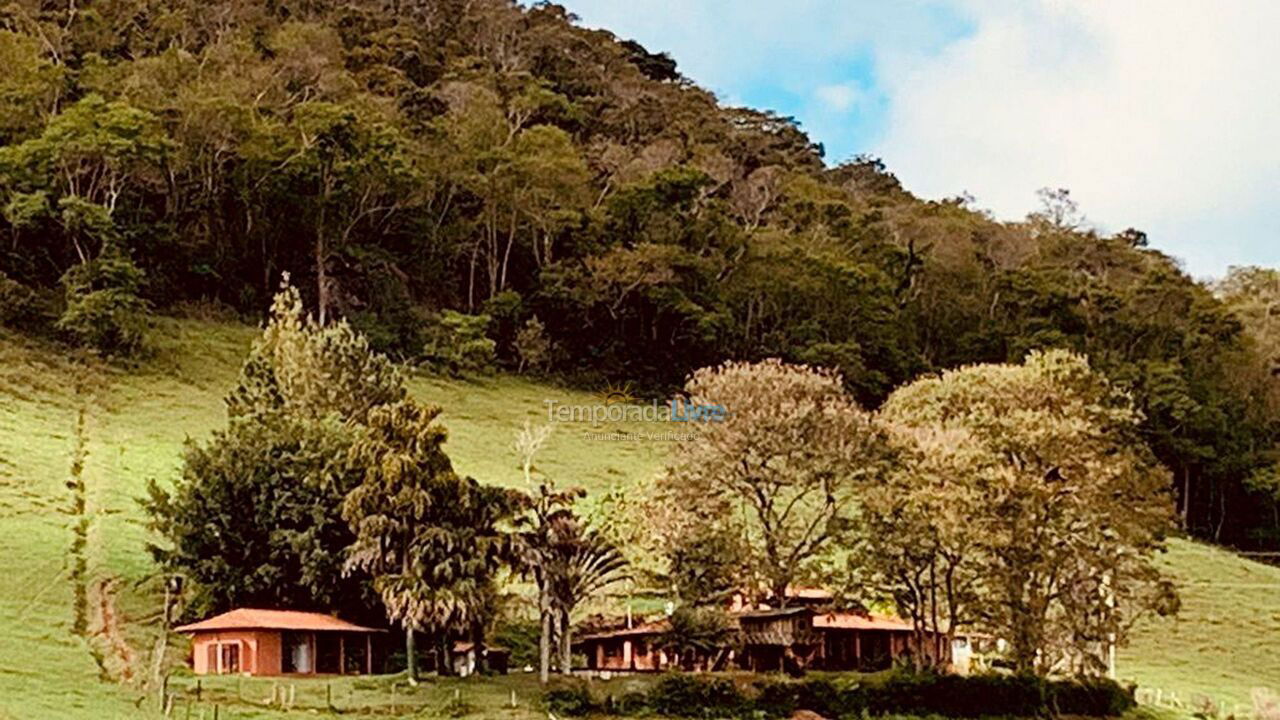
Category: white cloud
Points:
column 1158, row 114
column 1164, row 116
column 839, row 97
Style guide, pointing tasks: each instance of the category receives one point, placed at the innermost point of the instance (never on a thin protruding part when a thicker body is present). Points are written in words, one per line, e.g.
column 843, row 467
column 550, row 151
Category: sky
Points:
column 1162, row 115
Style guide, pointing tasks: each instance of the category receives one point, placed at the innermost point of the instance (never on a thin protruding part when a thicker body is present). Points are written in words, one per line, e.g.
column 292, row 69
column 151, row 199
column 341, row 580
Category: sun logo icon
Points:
column 618, row 394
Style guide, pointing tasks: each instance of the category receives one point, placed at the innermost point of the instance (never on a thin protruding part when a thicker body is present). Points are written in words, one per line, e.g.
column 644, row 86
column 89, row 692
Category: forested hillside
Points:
column 476, row 170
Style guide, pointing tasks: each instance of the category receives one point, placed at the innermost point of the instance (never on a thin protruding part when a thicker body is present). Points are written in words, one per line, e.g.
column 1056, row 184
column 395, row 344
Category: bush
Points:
column 569, row 696
column 457, row 343
column 781, row 698
column 696, row 696
column 906, row 694
column 533, row 346
column 103, row 309
column 17, row 302
column 1094, row 697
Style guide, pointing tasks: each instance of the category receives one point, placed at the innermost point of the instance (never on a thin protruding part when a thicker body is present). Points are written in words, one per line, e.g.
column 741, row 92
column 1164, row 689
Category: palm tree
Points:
column 432, row 540
column 546, row 514
column 586, row 563
column 567, row 562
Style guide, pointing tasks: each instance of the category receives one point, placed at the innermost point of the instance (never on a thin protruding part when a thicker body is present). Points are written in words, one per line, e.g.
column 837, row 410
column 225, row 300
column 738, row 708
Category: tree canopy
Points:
column 408, row 159
column 1060, row 510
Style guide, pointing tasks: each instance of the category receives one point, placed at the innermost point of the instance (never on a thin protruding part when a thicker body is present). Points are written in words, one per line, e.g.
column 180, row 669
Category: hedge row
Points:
column 900, row 693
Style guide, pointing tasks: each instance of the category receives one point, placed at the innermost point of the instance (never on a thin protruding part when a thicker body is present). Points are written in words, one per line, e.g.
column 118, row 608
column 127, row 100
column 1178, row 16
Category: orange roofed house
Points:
column 279, row 642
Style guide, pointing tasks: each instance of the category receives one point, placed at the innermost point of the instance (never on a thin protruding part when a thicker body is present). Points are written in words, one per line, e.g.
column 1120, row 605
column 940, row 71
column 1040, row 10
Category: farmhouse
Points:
column 769, row 640
column 279, row 642
column 639, row 650
column 804, row 638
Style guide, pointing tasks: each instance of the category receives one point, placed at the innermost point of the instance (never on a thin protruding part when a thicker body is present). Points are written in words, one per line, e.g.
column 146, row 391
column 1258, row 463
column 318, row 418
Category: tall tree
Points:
column 1074, row 508
column 919, row 547
column 583, row 564
column 547, row 518
column 429, row 538
column 781, row 468
column 304, row 396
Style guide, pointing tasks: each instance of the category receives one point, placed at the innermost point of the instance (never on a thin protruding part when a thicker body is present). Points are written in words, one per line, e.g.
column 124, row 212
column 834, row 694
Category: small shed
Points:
column 279, row 642
column 464, row 660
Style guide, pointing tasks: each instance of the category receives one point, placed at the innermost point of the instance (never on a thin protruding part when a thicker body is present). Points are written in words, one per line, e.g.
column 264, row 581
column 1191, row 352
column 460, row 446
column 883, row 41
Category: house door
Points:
column 297, row 653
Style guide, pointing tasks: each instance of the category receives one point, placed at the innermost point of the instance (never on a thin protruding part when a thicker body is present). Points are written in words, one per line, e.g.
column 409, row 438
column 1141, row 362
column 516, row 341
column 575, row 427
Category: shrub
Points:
column 533, row 346
column 910, row 693
column 695, row 696
column 17, row 301
column 457, row 343
column 103, row 308
column 904, row 694
column 781, row 698
column 569, row 696
column 1094, row 697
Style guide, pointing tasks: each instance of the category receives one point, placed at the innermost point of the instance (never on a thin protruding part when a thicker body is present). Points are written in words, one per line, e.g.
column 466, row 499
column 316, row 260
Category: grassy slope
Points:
column 134, row 424
column 1225, row 641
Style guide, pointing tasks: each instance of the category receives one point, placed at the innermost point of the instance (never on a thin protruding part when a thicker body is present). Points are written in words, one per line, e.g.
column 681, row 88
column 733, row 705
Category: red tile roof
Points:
column 652, row 628
column 857, row 621
column 252, row 619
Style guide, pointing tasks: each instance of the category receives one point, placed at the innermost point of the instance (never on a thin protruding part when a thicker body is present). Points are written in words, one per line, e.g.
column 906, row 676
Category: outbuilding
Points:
column 279, row 642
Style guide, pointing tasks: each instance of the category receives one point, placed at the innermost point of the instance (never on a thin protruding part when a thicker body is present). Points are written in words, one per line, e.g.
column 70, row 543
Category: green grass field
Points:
column 79, row 598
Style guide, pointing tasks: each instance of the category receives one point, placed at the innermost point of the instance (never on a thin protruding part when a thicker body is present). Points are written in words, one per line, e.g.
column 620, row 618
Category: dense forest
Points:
column 482, row 174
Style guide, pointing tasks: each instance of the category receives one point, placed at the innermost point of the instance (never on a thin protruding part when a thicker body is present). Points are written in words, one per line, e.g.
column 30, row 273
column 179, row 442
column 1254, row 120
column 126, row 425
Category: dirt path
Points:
column 117, row 650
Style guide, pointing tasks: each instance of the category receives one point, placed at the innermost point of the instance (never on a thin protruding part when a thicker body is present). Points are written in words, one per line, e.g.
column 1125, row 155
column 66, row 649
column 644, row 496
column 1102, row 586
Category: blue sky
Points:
column 1160, row 115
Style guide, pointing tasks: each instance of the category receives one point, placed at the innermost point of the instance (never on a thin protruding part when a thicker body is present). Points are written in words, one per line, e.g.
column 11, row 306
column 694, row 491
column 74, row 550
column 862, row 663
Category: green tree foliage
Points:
column 695, row 632
column 583, row 563
column 304, row 399
column 17, row 302
column 403, row 161
column 920, row 540
column 1061, row 509
column 254, row 522
column 779, row 470
column 457, row 343
column 104, row 307
column 549, row 509
column 429, row 538
column 533, row 347
column 568, row 560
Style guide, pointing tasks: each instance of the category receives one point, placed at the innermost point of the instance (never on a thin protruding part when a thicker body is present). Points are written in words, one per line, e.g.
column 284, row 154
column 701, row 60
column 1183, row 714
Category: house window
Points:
column 230, row 658
column 223, row 657
column 612, row 650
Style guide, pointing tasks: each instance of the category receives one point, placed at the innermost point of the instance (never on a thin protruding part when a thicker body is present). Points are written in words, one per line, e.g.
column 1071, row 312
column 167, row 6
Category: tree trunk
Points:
column 322, row 271
column 444, row 659
column 566, row 644
column 411, row 656
column 544, row 641
column 477, row 646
